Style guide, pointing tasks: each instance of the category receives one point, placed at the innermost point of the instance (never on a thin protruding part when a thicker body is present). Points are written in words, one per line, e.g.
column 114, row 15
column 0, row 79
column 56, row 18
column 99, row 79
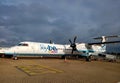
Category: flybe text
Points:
column 48, row 48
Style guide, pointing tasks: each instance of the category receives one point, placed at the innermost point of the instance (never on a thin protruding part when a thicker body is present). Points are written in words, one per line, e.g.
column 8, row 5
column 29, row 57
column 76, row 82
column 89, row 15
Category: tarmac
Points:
column 58, row 71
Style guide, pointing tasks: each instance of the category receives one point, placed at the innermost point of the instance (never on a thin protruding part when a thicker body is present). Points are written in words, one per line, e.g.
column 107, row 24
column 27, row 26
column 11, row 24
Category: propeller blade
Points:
column 70, row 41
column 75, row 39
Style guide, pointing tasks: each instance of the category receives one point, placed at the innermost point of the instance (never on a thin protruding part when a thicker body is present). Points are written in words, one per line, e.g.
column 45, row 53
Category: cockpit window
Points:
column 22, row 44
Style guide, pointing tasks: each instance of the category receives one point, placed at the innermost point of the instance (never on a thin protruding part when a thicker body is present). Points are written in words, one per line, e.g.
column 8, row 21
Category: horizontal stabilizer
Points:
column 109, row 42
column 112, row 36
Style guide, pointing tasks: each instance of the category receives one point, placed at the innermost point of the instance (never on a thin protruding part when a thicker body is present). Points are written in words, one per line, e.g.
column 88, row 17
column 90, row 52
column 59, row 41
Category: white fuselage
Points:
column 46, row 49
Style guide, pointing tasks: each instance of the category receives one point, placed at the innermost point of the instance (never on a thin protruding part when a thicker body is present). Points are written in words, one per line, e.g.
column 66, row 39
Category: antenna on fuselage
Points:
column 51, row 42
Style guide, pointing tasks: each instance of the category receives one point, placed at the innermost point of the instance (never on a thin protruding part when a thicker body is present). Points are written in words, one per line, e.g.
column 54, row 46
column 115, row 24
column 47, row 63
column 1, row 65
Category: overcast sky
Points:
column 57, row 20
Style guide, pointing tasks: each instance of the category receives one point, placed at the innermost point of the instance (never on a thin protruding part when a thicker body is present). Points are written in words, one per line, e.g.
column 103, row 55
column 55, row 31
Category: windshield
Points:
column 22, row 44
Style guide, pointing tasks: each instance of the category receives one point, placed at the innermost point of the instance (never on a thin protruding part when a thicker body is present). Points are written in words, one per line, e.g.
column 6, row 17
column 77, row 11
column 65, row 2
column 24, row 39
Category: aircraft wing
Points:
column 109, row 42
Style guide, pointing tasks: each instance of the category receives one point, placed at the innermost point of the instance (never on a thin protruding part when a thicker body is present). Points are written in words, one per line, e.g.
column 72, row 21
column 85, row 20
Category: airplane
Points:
column 86, row 50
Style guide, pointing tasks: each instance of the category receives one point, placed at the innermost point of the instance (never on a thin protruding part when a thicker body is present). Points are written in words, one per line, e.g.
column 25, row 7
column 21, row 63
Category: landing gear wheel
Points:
column 15, row 58
column 88, row 58
column 77, row 57
column 63, row 57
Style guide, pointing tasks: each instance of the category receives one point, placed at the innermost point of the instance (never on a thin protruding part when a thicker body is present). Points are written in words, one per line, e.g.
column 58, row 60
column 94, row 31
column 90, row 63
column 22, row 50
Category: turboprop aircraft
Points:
column 50, row 49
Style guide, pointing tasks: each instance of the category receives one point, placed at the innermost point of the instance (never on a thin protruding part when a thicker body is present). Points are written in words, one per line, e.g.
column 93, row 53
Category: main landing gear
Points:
column 15, row 58
column 88, row 58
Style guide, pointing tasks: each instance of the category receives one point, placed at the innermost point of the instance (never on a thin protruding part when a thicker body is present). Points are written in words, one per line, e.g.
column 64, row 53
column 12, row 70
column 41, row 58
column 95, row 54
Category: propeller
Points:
column 72, row 44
